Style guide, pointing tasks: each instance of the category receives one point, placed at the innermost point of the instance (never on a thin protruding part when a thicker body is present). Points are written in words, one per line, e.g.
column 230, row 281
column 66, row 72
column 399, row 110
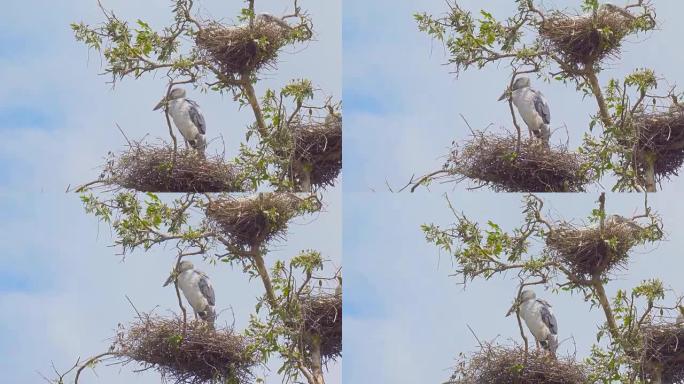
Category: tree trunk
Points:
column 649, row 176
column 316, row 361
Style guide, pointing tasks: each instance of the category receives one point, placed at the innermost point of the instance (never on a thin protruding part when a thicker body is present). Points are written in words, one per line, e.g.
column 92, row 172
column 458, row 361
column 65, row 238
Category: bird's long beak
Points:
column 171, row 279
column 512, row 310
column 162, row 103
column 504, row 96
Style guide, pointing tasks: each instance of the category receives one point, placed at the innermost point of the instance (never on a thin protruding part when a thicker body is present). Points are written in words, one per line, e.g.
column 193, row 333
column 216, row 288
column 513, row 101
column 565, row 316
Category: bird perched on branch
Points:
column 533, row 108
column 187, row 117
column 197, row 290
column 539, row 319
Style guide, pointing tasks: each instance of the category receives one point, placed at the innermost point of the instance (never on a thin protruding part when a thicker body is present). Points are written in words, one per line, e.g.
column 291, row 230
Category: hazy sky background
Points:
column 62, row 287
column 405, row 318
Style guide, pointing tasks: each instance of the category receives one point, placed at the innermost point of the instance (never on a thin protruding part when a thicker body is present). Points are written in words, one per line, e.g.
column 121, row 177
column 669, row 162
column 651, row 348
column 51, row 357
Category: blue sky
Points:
column 62, row 290
column 403, row 313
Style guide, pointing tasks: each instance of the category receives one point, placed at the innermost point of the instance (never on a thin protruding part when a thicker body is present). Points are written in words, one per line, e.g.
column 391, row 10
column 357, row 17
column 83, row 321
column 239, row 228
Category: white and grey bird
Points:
column 539, row 319
column 187, row 117
column 533, row 108
column 680, row 317
column 197, row 290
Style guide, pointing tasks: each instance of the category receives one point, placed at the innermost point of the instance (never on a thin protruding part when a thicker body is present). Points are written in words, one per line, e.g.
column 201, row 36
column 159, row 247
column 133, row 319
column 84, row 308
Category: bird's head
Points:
column 524, row 296
column 519, row 83
column 176, row 93
column 182, row 267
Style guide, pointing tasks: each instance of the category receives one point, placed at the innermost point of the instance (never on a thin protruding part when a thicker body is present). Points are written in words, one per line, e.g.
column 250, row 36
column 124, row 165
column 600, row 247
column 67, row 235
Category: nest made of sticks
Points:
column 322, row 317
column 492, row 160
column 495, row 364
column 186, row 353
column 589, row 251
column 148, row 168
column 663, row 347
column 587, row 38
column 661, row 134
column 242, row 48
column 254, row 220
column 318, row 145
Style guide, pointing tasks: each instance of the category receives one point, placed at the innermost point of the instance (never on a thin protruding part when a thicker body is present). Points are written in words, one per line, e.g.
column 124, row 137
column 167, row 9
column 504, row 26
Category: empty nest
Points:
column 660, row 134
column 663, row 350
column 493, row 161
column 322, row 317
column 152, row 169
column 588, row 38
column 495, row 364
column 254, row 220
column 588, row 251
column 192, row 354
column 244, row 48
column 318, row 146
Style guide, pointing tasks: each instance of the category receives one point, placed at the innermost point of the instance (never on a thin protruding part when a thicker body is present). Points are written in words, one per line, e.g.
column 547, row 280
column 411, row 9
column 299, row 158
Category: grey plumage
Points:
column 197, row 117
column 541, row 107
column 206, row 288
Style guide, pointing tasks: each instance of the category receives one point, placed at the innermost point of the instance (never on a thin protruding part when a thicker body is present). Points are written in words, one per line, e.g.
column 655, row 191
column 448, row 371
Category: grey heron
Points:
column 532, row 106
column 197, row 290
column 539, row 319
column 187, row 117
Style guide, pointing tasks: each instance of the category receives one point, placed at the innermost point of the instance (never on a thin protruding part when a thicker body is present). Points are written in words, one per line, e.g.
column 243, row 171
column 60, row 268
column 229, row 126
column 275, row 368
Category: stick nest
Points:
column 588, row 251
column 661, row 134
column 244, row 48
column 493, row 161
column 663, row 347
column 322, row 316
column 151, row 169
column 588, row 38
column 198, row 354
column 502, row 365
column 318, row 146
column 254, row 220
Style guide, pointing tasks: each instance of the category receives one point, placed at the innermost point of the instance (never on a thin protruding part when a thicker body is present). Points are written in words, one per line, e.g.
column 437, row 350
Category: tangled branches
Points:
column 499, row 364
column 148, row 168
column 254, row 220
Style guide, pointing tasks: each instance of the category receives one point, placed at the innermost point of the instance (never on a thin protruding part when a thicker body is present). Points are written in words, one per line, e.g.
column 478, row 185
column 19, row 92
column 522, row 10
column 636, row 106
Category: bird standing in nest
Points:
column 539, row 319
column 187, row 117
column 533, row 108
column 197, row 290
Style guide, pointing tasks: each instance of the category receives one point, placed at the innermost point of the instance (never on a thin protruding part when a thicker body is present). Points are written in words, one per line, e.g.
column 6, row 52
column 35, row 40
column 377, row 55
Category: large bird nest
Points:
column 317, row 145
column 322, row 318
column 149, row 168
column 186, row 353
column 495, row 364
column 590, row 251
column 587, row 38
column 493, row 161
column 661, row 136
column 663, row 350
column 243, row 48
column 254, row 220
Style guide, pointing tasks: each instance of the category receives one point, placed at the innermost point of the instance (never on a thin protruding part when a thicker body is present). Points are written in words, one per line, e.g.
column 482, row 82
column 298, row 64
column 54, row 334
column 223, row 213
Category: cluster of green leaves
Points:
column 270, row 161
column 138, row 49
column 486, row 252
column 614, row 361
column 479, row 41
column 143, row 221
column 617, row 150
column 281, row 330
